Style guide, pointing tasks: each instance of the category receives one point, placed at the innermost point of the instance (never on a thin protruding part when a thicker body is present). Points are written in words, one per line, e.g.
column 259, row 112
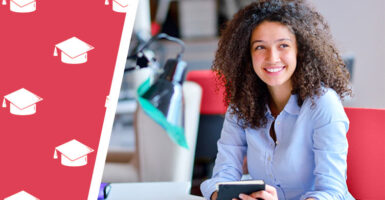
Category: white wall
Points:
column 358, row 27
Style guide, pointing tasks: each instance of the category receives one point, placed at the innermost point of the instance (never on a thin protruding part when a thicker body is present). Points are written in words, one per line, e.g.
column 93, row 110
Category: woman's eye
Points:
column 284, row 45
column 259, row 47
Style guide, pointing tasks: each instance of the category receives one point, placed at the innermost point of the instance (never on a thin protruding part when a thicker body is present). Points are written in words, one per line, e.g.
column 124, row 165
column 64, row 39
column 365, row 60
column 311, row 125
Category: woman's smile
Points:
column 275, row 70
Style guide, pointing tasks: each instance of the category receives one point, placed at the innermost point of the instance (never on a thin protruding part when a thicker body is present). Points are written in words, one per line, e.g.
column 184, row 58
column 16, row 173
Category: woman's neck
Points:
column 279, row 97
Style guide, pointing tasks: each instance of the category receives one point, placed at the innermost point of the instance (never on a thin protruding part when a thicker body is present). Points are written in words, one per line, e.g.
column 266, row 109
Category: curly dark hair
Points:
column 319, row 64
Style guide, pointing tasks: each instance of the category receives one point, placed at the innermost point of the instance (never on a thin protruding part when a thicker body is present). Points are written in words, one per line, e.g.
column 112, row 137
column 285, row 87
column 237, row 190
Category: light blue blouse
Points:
column 308, row 159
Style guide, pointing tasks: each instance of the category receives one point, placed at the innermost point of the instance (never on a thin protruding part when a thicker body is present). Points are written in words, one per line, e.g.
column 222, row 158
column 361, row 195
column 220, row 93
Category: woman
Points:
column 284, row 80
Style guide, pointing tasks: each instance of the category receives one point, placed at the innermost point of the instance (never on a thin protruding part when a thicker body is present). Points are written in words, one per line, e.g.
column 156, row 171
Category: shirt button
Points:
column 269, row 158
column 278, row 123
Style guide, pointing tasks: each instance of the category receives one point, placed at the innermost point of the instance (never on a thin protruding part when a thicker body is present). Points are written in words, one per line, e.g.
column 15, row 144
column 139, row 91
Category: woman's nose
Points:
column 272, row 55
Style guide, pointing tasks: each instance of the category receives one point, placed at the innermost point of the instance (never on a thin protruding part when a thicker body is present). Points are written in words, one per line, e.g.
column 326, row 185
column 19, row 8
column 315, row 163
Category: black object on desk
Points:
column 230, row 190
column 105, row 189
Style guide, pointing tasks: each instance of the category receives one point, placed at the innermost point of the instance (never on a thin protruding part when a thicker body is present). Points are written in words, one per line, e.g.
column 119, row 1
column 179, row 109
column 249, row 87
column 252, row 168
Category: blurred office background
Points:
column 358, row 29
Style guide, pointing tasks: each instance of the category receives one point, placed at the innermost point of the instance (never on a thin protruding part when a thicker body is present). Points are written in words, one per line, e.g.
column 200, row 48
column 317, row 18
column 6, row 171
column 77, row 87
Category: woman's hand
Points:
column 214, row 196
column 270, row 193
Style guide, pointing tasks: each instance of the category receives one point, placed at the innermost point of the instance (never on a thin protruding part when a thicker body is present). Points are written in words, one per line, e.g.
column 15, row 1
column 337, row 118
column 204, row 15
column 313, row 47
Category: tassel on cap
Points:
column 55, row 52
column 55, row 155
column 107, row 2
column 4, row 2
column 4, row 103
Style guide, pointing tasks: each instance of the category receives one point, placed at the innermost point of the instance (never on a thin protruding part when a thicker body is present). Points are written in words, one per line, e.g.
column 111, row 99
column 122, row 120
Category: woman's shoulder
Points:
column 232, row 117
column 326, row 108
column 328, row 97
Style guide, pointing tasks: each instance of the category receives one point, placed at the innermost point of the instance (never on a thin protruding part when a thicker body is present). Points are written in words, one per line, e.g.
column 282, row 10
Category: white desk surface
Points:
column 152, row 191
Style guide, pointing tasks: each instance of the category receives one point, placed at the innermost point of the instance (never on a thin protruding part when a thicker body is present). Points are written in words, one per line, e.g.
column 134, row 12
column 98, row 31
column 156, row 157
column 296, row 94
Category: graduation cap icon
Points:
column 73, row 153
column 22, row 102
column 107, row 101
column 118, row 5
column 73, row 51
column 21, row 6
column 21, row 196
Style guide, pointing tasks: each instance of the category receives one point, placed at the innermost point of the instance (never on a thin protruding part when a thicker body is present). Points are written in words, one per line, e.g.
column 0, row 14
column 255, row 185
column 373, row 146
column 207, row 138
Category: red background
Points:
column 73, row 95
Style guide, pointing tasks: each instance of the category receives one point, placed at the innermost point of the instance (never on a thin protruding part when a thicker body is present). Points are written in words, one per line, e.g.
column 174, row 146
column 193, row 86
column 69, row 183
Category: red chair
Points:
column 212, row 100
column 366, row 157
column 211, row 115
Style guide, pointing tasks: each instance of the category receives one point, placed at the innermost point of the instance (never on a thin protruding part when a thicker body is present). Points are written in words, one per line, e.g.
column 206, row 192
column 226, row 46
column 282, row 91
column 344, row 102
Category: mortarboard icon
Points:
column 73, row 153
column 21, row 196
column 21, row 6
column 119, row 5
column 73, row 51
column 107, row 101
column 22, row 102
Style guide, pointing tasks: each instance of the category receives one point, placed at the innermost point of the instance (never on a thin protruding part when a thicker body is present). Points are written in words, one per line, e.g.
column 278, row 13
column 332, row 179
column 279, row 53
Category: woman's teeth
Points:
column 274, row 69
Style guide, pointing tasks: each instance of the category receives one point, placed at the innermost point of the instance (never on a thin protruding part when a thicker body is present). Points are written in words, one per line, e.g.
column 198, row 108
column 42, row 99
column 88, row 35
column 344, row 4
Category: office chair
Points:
column 366, row 156
column 211, row 113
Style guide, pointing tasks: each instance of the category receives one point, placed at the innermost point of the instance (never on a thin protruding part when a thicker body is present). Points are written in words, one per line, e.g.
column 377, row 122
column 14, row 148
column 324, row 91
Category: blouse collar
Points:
column 291, row 106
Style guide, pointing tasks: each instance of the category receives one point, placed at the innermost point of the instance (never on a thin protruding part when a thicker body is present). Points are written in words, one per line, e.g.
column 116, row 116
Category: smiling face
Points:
column 273, row 50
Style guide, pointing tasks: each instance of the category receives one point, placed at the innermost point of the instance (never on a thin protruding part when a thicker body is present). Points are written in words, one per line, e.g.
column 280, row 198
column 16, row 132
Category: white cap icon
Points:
column 22, row 102
column 73, row 153
column 21, row 6
column 118, row 5
column 21, row 196
column 73, row 51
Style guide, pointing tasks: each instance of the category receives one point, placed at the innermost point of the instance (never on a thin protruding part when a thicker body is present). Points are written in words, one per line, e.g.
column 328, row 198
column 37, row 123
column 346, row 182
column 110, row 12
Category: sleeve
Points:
column 231, row 150
column 330, row 147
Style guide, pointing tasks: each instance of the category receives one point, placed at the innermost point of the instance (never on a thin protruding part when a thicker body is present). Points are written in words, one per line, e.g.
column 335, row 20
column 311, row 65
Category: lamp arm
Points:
column 167, row 37
column 143, row 60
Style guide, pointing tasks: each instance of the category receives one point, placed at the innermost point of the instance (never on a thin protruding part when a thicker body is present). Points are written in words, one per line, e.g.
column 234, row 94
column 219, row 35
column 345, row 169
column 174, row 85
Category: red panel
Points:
column 366, row 157
column 212, row 100
column 74, row 95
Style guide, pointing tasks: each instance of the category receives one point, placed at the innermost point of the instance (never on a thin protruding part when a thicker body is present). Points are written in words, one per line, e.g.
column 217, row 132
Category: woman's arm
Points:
column 330, row 147
column 231, row 151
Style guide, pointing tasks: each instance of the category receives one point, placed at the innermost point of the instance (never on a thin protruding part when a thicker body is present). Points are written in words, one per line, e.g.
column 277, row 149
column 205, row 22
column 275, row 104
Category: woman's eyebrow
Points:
column 279, row 40
column 255, row 41
column 283, row 39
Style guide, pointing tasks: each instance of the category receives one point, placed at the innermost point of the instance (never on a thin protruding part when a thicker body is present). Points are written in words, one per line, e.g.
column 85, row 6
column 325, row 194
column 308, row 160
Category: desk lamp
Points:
column 161, row 96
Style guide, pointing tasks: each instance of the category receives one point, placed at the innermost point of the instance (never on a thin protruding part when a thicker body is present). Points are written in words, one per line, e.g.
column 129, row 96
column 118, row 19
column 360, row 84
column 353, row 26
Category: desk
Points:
column 152, row 191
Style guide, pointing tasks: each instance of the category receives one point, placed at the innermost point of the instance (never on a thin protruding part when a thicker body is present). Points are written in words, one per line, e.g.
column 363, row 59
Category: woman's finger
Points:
column 270, row 193
column 262, row 195
column 270, row 189
column 245, row 197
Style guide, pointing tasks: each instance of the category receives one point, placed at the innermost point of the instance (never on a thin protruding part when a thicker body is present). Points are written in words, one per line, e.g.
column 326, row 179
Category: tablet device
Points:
column 230, row 190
